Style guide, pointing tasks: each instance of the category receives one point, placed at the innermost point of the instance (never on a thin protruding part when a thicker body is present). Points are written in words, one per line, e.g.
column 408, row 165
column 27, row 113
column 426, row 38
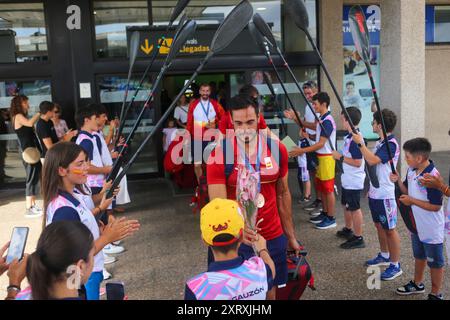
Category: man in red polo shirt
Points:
column 270, row 158
column 203, row 114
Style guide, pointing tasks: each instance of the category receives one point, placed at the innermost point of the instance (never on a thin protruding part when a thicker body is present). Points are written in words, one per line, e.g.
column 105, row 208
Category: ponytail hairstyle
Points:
column 61, row 244
column 62, row 155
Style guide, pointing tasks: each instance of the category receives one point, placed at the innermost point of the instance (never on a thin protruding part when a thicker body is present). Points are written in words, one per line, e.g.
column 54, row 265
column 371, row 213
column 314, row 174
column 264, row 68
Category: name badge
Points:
column 268, row 163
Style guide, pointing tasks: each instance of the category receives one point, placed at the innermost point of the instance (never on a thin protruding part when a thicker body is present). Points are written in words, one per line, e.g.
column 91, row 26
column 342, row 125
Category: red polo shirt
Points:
column 271, row 171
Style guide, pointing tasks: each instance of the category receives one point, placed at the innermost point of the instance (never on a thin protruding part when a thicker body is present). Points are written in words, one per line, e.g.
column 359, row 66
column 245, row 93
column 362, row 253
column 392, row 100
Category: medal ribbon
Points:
column 206, row 111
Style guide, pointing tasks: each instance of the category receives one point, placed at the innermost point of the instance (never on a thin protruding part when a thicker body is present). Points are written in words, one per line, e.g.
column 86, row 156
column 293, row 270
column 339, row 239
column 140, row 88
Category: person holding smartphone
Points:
column 65, row 168
column 15, row 272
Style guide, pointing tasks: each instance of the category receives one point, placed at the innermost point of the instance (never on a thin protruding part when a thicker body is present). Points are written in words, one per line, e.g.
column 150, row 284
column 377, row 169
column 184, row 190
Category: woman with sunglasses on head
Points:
column 65, row 170
column 60, row 125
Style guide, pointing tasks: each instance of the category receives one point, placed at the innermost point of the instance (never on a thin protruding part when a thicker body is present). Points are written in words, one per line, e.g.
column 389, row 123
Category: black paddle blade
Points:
column 269, row 84
column 298, row 12
column 134, row 46
column 186, row 32
column 257, row 36
column 180, row 25
column 181, row 4
column 231, row 26
column 360, row 33
column 264, row 29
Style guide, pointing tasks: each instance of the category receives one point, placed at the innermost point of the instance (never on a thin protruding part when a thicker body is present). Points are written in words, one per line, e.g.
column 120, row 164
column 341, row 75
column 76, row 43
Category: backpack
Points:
column 229, row 166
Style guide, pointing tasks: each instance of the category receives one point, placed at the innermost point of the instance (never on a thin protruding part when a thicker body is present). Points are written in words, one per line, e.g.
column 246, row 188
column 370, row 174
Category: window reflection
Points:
column 295, row 39
column 22, row 32
column 10, row 158
column 111, row 20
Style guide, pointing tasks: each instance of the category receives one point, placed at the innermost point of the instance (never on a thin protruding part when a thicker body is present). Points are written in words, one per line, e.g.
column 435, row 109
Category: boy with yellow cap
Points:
column 230, row 277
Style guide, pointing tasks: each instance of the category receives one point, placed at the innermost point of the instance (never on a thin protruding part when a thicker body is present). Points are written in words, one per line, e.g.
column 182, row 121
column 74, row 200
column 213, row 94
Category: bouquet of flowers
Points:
column 247, row 192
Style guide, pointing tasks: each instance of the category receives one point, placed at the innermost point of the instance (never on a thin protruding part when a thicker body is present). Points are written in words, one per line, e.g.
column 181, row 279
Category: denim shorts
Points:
column 433, row 253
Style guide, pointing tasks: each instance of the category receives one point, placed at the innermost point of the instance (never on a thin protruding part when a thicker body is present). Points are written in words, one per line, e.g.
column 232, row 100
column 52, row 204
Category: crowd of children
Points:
column 79, row 225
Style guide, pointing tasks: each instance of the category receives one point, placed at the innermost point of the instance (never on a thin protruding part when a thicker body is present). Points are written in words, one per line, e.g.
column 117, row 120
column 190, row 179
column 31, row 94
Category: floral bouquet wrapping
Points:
column 247, row 193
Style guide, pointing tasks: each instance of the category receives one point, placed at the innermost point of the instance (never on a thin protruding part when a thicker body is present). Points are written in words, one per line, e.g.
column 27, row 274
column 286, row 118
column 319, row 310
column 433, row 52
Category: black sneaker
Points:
column 304, row 200
column 435, row 297
column 319, row 218
column 354, row 243
column 345, row 233
column 315, row 205
column 411, row 288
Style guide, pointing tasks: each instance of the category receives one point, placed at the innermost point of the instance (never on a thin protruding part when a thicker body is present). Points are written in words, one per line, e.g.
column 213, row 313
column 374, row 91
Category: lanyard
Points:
column 257, row 165
column 207, row 109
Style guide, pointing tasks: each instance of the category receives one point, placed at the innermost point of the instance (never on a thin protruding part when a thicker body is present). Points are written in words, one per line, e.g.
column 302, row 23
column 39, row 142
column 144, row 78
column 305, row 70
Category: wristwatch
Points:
column 341, row 159
column 360, row 145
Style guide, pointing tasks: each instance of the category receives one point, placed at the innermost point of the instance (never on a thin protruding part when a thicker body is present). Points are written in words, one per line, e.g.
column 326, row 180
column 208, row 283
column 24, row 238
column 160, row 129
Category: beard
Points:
column 205, row 97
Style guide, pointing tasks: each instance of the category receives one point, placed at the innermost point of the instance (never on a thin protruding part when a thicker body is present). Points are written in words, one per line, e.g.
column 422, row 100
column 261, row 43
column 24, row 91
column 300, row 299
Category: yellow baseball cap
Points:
column 221, row 216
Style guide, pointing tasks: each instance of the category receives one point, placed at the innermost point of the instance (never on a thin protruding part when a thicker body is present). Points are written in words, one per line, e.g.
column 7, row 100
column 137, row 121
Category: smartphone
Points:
column 17, row 244
column 115, row 291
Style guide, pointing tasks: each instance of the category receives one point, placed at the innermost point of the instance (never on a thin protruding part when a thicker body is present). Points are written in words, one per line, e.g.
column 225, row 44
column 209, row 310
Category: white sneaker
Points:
column 112, row 249
column 33, row 212
column 106, row 274
column 108, row 259
column 116, row 243
column 315, row 214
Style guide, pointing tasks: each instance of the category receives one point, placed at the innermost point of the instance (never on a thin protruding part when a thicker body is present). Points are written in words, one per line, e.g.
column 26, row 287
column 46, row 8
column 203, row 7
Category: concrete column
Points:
column 330, row 36
column 403, row 66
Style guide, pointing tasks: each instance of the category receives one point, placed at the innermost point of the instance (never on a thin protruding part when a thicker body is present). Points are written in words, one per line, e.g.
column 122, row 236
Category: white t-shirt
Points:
column 181, row 114
column 170, row 135
column 430, row 225
column 309, row 117
column 301, row 160
column 383, row 170
column 330, row 131
column 204, row 112
column 352, row 178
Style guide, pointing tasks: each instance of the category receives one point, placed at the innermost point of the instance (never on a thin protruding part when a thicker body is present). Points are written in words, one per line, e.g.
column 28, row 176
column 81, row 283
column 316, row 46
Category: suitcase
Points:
column 299, row 277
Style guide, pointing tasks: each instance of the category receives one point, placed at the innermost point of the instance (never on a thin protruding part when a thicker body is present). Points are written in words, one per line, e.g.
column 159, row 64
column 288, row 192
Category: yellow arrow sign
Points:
column 146, row 48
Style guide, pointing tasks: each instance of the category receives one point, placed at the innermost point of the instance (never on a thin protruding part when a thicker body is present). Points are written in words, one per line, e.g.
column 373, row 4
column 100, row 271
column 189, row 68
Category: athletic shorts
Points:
column 311, row 161
column 350, row 199
column 384, row 211
column 197, row 155
column 324, row 186
column 325, row 169
column 277, row 249
column 303, row 174
column 433, row 253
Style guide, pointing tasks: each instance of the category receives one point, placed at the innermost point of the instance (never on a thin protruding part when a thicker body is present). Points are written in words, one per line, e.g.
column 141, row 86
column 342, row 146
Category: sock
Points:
column 396, row 264
column 385, row 255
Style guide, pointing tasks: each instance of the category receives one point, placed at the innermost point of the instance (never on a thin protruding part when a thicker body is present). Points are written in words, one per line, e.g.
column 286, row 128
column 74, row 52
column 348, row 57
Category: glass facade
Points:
column 272, row 108
column 112, row 90
column 23, row 35
column 437, row 25
column 111, row 19
column 36, row 91
column 294, row 39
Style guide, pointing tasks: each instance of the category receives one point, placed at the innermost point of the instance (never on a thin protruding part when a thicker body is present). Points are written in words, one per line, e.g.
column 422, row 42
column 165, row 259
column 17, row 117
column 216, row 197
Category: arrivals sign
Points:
column 198, row 45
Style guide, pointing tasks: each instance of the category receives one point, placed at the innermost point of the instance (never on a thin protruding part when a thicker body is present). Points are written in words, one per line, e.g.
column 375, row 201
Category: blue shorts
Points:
column 311, row 161
column 350, row 199
column 277, row 248
column 93, row 286
column 302, row 174
column 433, row 253
column 384, row 211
